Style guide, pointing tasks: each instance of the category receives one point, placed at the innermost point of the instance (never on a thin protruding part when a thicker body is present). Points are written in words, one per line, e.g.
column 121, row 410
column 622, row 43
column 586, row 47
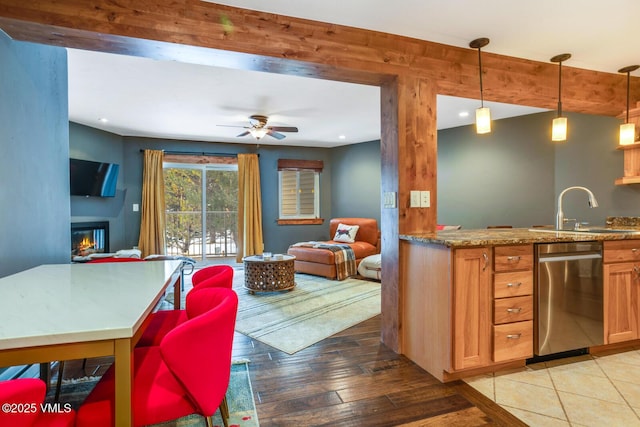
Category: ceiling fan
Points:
column 258, row 128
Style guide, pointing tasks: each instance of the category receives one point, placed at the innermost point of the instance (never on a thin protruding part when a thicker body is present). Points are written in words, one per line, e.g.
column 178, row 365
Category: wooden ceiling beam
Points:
column 211, row 34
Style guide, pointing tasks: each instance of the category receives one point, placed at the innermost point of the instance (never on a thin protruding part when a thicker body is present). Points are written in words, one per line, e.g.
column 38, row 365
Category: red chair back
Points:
column 207, row 337
column 27, row 394
column 23, row 392
column 215, row 276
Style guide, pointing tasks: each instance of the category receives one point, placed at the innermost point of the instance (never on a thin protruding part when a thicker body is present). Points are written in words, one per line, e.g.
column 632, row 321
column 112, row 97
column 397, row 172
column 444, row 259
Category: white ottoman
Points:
column 371, row 267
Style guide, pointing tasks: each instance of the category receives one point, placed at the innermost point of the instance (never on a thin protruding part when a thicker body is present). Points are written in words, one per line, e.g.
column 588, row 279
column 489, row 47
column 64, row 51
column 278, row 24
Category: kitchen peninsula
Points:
column 468, row 298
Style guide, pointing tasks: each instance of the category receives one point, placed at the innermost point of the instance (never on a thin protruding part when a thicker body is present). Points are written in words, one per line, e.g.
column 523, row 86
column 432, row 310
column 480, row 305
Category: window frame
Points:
column 298, row 166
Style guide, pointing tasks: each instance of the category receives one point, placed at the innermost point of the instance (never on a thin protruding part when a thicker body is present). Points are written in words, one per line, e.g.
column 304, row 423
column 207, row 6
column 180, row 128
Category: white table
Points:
column 73, row 311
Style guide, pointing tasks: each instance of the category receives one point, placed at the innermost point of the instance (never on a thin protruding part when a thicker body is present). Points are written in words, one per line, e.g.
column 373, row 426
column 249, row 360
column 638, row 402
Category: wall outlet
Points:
column 136, row 207
column 425, row 199
column 415, row 199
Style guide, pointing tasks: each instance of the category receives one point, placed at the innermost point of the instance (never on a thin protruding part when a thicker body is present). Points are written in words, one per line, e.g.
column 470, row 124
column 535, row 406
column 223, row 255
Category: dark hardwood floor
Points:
column 349, row 379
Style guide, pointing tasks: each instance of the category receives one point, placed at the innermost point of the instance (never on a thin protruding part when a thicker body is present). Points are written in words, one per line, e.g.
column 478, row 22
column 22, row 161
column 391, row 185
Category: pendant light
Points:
column 559, row 126
column 628, row 130
column 483, row 115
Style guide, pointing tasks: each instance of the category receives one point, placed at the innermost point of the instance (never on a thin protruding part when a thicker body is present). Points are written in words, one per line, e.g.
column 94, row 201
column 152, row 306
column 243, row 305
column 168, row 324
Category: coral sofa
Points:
column 320, row 261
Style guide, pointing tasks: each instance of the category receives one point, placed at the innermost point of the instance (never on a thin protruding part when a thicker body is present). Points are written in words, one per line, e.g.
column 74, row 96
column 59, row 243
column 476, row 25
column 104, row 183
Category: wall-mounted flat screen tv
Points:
column 88, row 178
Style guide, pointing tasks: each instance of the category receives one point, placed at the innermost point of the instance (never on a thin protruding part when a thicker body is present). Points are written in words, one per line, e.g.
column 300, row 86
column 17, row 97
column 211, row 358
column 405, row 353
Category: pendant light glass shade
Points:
column 483, row 115
column 559, row 125
column 628, row 130
column 483, row 120
column 559, row 129
column 627, row 133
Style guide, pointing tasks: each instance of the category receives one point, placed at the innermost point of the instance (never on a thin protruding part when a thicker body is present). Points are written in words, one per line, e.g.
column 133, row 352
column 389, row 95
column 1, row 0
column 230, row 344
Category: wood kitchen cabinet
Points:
column 513, row 303
column 453, row 301
column 621, row 277
column 471, row 303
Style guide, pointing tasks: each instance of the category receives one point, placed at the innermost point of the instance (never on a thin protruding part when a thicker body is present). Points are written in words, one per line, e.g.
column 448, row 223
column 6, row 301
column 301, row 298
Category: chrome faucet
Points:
column 560, row 220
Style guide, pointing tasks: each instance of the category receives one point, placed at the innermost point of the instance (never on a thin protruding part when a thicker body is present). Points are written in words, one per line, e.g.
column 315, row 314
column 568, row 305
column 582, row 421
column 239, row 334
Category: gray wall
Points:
column 589, row 158
column 349, row 183
column 356, row 182
column 514, row 175
column 87, row 143
column 505, row 177
column 34, row 156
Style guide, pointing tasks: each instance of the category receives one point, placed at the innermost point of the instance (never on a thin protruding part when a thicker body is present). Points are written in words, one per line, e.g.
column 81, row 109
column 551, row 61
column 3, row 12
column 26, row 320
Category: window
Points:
column 201, row 200
column 299, row 189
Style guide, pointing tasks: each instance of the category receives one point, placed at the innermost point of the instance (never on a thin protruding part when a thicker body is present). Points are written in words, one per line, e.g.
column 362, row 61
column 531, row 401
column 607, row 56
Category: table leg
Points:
column 45, row 373
column 123, row 362
column 177, row 298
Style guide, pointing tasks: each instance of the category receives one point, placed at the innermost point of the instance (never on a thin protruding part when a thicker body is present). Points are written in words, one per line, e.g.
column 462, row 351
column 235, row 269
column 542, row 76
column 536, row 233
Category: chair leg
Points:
column 209, row 421
column 224, row 411
column 59, row 380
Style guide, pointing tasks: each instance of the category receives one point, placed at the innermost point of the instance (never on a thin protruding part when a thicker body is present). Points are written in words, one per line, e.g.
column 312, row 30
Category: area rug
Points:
column 242, row 408
column 314, row 310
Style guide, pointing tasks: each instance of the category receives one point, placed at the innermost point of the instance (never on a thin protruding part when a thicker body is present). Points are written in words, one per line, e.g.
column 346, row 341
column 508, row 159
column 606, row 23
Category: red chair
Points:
column 218, row 276
column 25, row 396
column 224, row 271
column 188, row 373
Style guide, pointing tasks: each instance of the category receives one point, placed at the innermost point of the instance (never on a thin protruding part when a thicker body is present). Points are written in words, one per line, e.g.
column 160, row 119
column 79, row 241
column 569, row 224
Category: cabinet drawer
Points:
column 516, row 309
column 621, row 250
column 511, row 258
column 513, row 341
column 513, row 284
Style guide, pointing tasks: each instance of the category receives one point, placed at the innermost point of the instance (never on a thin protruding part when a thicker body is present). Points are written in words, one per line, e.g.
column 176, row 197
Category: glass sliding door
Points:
column 221, row 211
column 201, row 203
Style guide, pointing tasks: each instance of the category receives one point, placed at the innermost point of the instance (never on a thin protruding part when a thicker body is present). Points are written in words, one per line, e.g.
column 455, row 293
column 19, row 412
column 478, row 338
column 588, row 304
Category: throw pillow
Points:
column 346, row 233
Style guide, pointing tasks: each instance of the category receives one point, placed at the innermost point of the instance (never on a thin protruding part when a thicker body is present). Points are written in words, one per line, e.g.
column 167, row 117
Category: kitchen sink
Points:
column 593, row 230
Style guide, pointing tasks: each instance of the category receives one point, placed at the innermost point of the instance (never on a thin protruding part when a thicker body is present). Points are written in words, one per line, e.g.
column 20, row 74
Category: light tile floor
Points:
column 585, row 390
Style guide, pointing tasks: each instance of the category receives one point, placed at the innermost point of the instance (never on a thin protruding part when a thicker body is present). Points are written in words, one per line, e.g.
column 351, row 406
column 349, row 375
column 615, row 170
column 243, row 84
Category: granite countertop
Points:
column 513, row 236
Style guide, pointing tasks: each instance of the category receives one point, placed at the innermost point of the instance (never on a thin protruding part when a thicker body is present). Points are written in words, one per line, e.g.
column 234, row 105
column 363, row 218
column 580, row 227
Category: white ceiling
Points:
column 143, row 97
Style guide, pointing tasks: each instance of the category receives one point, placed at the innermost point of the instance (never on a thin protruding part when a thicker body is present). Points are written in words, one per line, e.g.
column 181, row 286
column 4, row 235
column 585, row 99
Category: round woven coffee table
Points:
column 268, row 276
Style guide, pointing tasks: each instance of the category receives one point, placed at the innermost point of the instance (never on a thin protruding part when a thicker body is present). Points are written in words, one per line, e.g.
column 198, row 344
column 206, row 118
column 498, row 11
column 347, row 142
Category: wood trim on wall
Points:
column 296, row 164
column 200, row 159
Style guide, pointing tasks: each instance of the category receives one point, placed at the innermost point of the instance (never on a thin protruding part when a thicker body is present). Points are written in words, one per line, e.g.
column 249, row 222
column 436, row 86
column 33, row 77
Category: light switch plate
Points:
column 390, row 200
column 425, row 199
column 415, row 199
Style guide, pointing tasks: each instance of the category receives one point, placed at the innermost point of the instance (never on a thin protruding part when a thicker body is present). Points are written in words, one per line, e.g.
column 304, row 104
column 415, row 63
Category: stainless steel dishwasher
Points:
column 569, row 303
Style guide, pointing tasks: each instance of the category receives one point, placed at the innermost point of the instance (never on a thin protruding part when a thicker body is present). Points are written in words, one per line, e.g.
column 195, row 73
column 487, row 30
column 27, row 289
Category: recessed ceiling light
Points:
column 463, row 114
column 103, row 120
column 342, row 137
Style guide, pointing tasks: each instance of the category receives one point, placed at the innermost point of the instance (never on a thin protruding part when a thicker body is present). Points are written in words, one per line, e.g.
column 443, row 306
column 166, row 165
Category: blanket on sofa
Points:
column 343, row 255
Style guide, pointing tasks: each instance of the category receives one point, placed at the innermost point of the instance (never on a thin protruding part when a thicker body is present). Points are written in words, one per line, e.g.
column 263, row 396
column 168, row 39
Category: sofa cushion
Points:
column 325, row 256
column 367, row 231
column 346, row 233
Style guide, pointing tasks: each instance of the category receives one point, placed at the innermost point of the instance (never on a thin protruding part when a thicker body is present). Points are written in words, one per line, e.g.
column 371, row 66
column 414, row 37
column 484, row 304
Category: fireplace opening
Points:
column 89, row 238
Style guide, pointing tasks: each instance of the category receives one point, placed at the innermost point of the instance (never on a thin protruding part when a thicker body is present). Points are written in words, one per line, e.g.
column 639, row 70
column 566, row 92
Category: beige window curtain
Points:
column 152, row 223
column 249, row 207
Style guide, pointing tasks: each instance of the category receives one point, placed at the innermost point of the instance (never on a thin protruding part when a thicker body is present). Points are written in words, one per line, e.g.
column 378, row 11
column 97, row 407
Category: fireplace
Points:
column 89, row 237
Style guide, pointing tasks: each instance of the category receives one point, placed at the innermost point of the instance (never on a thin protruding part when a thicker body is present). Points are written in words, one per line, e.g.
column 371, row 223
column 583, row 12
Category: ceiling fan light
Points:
column 627, row 133
column 559, row 129
column 483, row 120
column 258, row 133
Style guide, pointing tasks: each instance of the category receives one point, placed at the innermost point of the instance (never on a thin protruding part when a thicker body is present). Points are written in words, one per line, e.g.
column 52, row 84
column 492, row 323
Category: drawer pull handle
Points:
column 514, row 310
column 514, row 336
column 513, row 258
column 511, row 285
column 634, row 250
